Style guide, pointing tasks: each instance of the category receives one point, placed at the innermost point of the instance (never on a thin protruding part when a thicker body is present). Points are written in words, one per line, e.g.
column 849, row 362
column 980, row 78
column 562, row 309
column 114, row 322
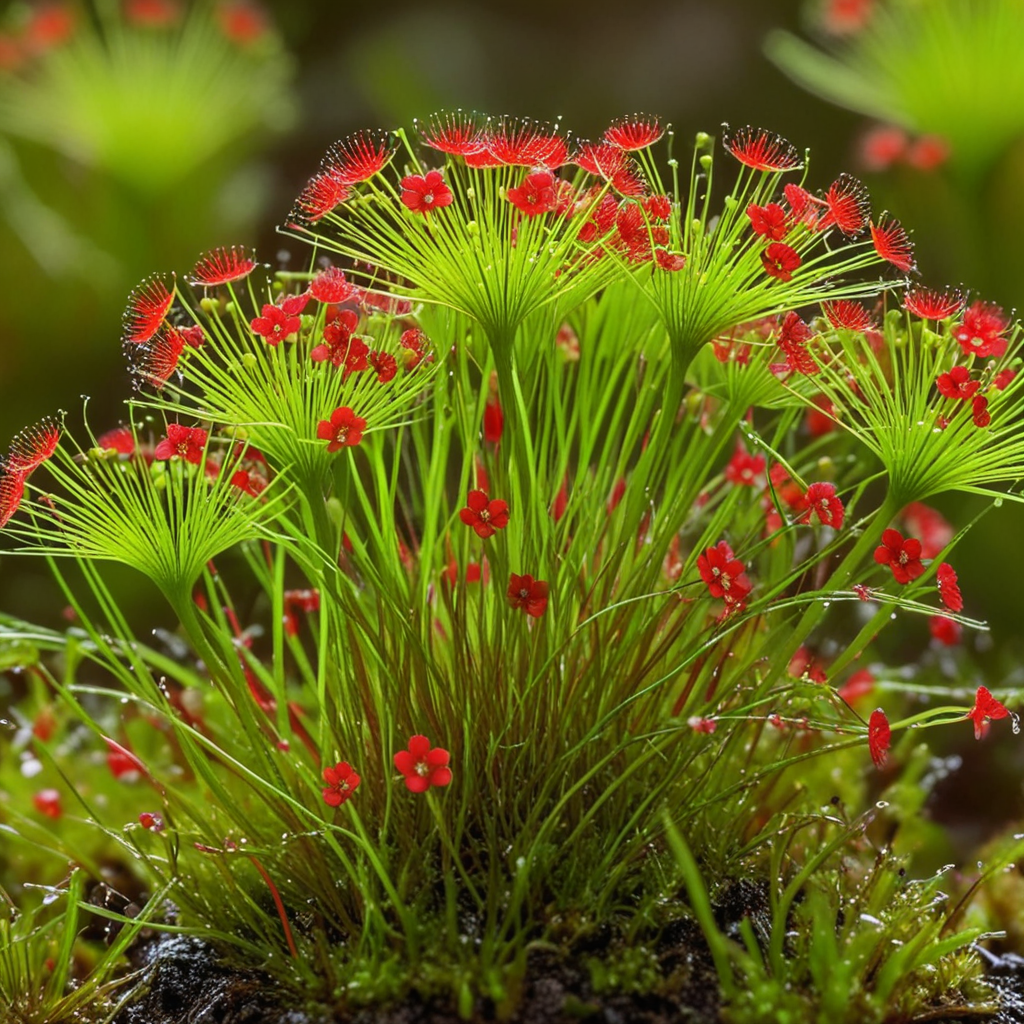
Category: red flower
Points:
column 32, row 446
column 848, row 315
column 274, row 324
column 182, row 442
column 802, row 205
column 892, row 243
column 536, row 195
column 849, row 205
column 769, row 221
column 243, row 23
column 842, row 17
column 457, row 132
column 384, row 365
column 359, row 157
column 794, row 335
column 986, row 708
column 147, row 307
column 341, row 781
column 483, row 515
column 932, row 304
column 957, row 383
column 902, row 556
column 12, row 490
column 330, row 286
column 760, row 149
column 494, row 420
column 343, row 430
column 527, row 594
column 635, row 132
column 123, row 764
column 882, row 146
column 724, row 574
column 743, row 468
column 47, row 801
column 949, row 589
column 930, row 525
column 49, row 25
column 671, row 261
column 946, row 630
column 421, row 194
column 928, row 152
column 821, row 416
column 412, row 341
column 979, row 411
column 220, row 266
column 705, row 725
column 1002, row 378
column 526, row 143
column 658, row 207
column 878, row 737
column 339, row 346
column 859, row 685
column 321, row 194
column 981, row 330
column 422, row 766
column 151, row 821
column 821, row 500
column 152, row 13
column 780, row 260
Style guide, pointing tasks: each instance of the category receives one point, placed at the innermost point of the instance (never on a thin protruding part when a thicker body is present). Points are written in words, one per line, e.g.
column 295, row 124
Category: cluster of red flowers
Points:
column 421, row 765
column 887, row 145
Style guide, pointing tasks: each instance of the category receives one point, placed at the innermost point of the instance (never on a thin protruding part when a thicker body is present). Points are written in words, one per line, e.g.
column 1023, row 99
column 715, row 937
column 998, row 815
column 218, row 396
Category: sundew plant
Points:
column 524, row 561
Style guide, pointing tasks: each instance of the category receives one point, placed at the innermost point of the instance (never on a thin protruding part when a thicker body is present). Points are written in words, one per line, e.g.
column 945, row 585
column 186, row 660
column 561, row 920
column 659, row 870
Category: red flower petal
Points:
column 220, row 266
column 892, row 243
column 849, row 205
column 321, row 194
column 459, row 132
column 33, row 446
column 148, row 304
column 12, row 490
column 932, row 304
column 760, row 149
column 879, row 736
column 359, row 156
column 637, row 131
column 848, row 315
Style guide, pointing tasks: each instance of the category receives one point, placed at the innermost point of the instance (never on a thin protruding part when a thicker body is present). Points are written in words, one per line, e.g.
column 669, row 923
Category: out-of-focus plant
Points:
column 944, row 82
column 145, row 91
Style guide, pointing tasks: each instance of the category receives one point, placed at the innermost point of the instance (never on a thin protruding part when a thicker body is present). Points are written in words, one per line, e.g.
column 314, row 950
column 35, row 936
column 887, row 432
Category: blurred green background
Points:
column 75, row 238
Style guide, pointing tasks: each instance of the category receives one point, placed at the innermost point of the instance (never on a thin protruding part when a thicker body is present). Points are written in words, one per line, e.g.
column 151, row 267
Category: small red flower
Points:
column 705, row 725
column 223, row 265
column 527, row 594
column 769, row 221
column 979, row 412
column 821, row 416
column 859, row 685
column 151, row 821
column 273, row 324
column 847, row 315
column 152, row 13
column 525, row 143
column 980, row 333
column 320, row 195
column 157, row 361
column 12, row 490
column 843, row 17
column 384, row 365
column 882, row 146
column 821, row 500
column 330, row 286
column 780, row 260
column 147, row 307
column 123, row 764
column 423, row 193
column 637, row 131
column 422, row 765
column 343, row 430
column 745, row 469
column 803, row 205
column 671, row 261
column 724, row 574
column 878, row 737
column 902, row 556
column 794, row 335
column 47, row 801
column 359, row 157
column 457, row 132
column 33, row 446
column 933, row 304
column 957, row 383
column 412, row 341
column 535, row 195
column 494, row 420
column 949, row 589
column 242, row 22
column 49, row 25
column 182, row 442
column 849, row 205
column 340, row 346
column 760, row 149
column 484, row 515
column 342, row 781
column 892, row 243
column 946, row 630
column 928, row 152
column 986, row 708
column 658, row 207
column 1003, row 378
